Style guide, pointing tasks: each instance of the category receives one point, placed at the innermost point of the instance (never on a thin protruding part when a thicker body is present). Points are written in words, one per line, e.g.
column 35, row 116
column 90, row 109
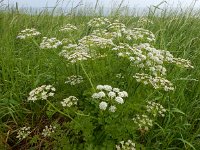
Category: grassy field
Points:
column 97, row 82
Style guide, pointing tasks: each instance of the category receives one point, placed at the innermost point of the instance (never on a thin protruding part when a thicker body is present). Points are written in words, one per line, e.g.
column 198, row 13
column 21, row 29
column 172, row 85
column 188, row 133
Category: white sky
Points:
column 105, row 3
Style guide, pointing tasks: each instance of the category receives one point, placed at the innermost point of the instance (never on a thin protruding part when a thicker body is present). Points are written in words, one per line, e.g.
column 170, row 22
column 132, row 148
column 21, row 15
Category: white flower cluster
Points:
column 74, row 80
column 111, row 31
column 156, row 82
column 27, row 33
column 154, row 59
column 182, row 62
column 155, row 109
column 98, row 22
column 50, row 43
column 74, row 53
column 116, row 26
column 68, row 28
column 139, row 34
column 151, row 59
column 96, row 41
column 23, row 133
column 115, row 30
column 47, row 131
column 41, row 93
column 144, row 56
column 143, row 122
column 109, row 96
column 129, row 145
column 70, row 101
column 143, row 21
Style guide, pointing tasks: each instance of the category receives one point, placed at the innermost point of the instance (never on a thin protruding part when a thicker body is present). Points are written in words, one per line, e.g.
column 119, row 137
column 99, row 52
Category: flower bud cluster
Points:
column 155, row 109
column 28, row 33
column 41, row 93
column 68, row 28
column 23, row 133
column 156, row 82
column 50, row 43
column 70, row 101
column 48, row 130
column 109, row 96
column 74, row 80
column 143, row 122
column 129, row 145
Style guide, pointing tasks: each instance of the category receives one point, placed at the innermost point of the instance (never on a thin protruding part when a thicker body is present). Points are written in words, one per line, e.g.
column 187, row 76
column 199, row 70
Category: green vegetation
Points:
column 86, row 56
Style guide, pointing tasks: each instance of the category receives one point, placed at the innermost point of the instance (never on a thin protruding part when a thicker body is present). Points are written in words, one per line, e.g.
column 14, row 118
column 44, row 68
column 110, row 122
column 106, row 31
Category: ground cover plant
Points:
column 93, row 82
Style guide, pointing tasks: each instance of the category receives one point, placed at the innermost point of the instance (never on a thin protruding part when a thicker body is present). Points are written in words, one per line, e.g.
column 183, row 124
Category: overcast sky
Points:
column 105, row 3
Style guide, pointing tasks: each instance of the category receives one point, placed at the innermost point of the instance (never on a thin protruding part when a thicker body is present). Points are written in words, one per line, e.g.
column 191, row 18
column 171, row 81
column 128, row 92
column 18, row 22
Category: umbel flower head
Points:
column 23, row 133
column 155, row 109
column 143, row 122
column 28, row 33
column 128, row 145
column 48, row 130
column 74, row 53
column 109, row 96
column 41, row 93
column 98, row 22
column 70, row 101
column 68, row 28
column 74, row 80
column 156, row 82
column 50, row 43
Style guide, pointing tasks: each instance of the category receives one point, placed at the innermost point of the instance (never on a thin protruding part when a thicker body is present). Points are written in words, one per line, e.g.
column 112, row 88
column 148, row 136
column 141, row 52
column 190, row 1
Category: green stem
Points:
column 59, row 110
column 36, row 43
column 87, row 77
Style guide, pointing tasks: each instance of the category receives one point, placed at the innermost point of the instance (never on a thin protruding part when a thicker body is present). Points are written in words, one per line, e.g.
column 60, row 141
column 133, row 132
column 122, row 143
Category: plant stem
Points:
column 87, row 76
column 59, row 110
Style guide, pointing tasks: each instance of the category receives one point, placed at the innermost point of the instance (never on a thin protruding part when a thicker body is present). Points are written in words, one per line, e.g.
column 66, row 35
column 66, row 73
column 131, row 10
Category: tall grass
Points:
column 23, row 67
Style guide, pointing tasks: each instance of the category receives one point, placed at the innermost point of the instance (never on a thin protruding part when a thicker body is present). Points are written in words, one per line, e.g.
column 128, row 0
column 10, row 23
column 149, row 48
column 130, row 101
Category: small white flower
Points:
column 71, row 100
column 101, row 94
column 51, row 94
column 107, row 87
column 116, row 90
column 100, row 87
column 74, row 80
column 47, row 131
column 50, row 43
column 119, row 100
column 95, row 96
column 111, row 94
column 123, row 94
column 68, row 28
column 112, row 109
column 28, row 33
column 41, row 93
column 129, row 145
column 23, row 133
column 103, row 105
